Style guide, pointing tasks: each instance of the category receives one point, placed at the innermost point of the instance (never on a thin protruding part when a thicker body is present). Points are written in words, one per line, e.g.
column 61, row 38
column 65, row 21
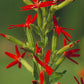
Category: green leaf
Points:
column 56, row 76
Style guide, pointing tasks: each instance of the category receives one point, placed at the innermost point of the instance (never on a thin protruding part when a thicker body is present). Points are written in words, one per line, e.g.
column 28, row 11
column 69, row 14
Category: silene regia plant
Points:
column 45, row 65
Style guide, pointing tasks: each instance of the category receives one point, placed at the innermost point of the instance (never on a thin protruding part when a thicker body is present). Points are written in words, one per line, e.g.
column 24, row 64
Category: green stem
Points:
column 46, row 78
column 60, row 6
column 26, row 65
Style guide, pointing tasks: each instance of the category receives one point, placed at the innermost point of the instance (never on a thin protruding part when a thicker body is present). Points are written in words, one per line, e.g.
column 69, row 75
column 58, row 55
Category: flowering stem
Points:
column 54, row 9
column 26, row 65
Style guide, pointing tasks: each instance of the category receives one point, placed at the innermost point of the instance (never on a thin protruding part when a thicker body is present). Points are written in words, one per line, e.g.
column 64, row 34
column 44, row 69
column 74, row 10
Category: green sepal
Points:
column 36, row 70
column 14, row 40
column 39, row 18
column 44, row 42
column 36, row 29
column 25, row 48
column 56, row 76
column 41, row 44
column 70, row 45
column 54, row 42
column 30, row 38
column 26, row 65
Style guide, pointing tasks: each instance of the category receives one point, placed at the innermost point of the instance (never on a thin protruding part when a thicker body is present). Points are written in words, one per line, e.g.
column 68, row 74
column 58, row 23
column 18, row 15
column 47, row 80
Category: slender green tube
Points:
column 26, row 65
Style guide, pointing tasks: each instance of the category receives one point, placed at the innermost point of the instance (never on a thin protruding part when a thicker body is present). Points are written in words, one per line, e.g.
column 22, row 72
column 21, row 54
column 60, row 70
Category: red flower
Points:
column 38, row 49
column 16, row 57
column 38, row 4
column 48, row 69
column 60, row 29
column 28, row 21
column 34, row 82
column 70, row 53
column 41, row 77
column 78, row 81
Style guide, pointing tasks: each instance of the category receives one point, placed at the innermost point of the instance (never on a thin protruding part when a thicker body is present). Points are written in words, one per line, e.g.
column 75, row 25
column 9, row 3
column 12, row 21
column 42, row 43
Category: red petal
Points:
column 23, row 54
column 55, row 20
column 49, row 70
column 58, row 30
column 65, row 42
column 68, row 29
column 76, row 80
column 72, row 60
column 81, row 80
column 40, row 62
column 3, row 35
column 47, row 57
column 78, row 41
column 41, row 77
column 19, row 65
column 12, row 63
column 28, row 19
column 74, row 55
column 34, row 81
column 35, row 1
column 67, row 39
column 73, row 51
column 28, row 7
column 11, row 55
column 65, row 33
column 46, row 4
column 17, row 51
column 16, row 26
column 60, row 0
column 34, row 18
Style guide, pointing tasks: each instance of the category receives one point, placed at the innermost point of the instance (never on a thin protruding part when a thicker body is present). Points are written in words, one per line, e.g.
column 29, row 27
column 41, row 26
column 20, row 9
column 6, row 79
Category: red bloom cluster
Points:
column 16, row 57
column 38, row 49
column 38, row 4
column 48, row 69
column 60, row 29
column 70, row 53
column 28, row 21
column 82, row 82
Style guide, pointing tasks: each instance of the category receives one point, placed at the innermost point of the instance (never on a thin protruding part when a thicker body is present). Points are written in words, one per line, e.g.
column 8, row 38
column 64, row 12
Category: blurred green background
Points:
column 71, row 16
